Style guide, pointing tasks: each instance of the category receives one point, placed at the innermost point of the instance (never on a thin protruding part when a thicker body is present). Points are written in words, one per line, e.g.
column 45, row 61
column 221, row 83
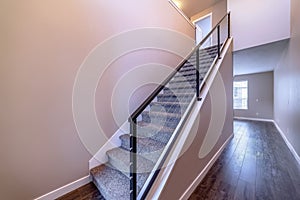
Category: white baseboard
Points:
column 202, row 174
column 65, row 189
column 254, row 119
column 287, row 142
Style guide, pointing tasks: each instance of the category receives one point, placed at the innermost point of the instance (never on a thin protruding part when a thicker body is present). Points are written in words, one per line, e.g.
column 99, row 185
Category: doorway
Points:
column 203, row 27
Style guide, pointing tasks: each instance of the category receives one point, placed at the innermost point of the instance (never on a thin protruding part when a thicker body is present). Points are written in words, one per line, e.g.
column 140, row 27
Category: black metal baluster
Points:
column 219, row 45
column 133, row 118
column 228, row 25
column 133, row 160
column 197, row 75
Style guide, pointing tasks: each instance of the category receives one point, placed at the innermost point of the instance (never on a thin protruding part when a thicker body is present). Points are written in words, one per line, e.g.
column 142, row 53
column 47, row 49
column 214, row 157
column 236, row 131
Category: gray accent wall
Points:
column 287, row 84
column 260, row 96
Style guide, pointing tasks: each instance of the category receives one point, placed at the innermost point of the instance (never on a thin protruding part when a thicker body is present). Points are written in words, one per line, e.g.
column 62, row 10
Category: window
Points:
column 240, row 95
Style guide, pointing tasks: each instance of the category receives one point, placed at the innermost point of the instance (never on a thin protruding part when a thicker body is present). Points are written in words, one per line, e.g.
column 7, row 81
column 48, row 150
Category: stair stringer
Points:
column 100, row 157
column 180, row 143
column 184, row 134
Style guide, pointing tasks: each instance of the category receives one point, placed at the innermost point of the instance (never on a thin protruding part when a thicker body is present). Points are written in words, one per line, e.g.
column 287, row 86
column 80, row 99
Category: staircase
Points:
column 155, row 127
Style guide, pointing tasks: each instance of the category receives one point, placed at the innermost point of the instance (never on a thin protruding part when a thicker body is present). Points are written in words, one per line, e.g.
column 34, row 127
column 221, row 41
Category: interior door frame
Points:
column 197, row 27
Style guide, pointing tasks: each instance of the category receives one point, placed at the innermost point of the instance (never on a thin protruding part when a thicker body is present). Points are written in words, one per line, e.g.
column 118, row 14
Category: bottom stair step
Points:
column 112, row 184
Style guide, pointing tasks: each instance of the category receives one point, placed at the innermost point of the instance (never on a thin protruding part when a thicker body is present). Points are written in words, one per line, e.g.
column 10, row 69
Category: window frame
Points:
column 242, row 96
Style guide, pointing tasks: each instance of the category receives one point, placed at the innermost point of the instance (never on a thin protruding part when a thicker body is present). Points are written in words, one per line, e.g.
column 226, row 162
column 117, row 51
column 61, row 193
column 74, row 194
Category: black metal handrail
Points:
column 133, row 118
column 142, row 107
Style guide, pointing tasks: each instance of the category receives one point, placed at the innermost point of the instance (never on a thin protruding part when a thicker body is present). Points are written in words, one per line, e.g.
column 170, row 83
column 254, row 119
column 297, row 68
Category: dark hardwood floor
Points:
column 256, row 164
column 86, row 192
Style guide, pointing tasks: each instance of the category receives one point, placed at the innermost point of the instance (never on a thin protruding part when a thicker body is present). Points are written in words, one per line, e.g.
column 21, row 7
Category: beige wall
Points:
column 43, row 44
column 287, row 84
column 189, row 165
column 260, row 95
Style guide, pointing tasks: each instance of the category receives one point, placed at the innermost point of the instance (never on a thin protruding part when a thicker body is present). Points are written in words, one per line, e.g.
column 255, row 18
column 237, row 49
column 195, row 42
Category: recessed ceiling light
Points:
column 178, row 3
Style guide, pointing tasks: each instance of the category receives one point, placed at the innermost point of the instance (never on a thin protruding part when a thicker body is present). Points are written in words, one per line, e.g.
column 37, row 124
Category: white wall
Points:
column 205, row 26
column 256, row 22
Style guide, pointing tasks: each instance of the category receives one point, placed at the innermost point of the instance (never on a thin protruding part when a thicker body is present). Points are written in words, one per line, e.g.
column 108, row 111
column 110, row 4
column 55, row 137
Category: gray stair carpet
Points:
column 154, row 131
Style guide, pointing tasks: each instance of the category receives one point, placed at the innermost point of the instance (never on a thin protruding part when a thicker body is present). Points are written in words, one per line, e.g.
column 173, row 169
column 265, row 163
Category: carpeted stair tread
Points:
column 184, row 78
column 174, row 107
column 171, row 107
column 142, row 124
column 190, row 67
column 120, row 159
column 112, row 184
column 155, row 132
column 203, row 57
column 174, row 98
column 179, row 95
column 175, row 91
column 163, row 115
column 146, row 147
column 187, row 68
column 167, row 119
column 192, row 70
column 179, row 85
column 186, row 73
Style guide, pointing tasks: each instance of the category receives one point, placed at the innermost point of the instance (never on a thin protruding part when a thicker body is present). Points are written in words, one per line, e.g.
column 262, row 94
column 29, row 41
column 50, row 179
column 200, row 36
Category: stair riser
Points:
column 174, row 84
column 152, row 156
column 112, row 184
column 191, row 73
column 125, row 169
column 186, row 69
column 201, row 62
column 192, row 70
column 174, row 98
column 172, row 123
column 184, row 85
column 203, row 58
column 147, row 117
column 155, row 134
column 180, row 77
column 179, row 91
column 162, row 137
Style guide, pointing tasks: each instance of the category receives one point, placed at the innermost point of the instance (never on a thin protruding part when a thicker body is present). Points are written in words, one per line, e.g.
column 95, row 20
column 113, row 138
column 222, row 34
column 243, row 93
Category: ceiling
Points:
column 192, row 7
column 259, row 59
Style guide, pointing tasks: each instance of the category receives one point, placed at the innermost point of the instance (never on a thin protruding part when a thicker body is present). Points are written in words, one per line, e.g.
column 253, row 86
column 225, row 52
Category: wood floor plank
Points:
column 244, row 191
column 256, row 164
